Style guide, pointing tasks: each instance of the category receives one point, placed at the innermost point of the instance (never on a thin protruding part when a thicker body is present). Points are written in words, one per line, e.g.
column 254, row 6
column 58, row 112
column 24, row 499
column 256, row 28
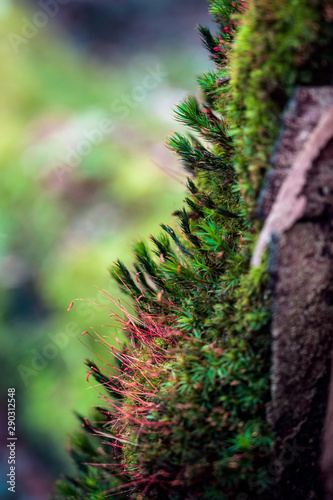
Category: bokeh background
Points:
column 86, row 95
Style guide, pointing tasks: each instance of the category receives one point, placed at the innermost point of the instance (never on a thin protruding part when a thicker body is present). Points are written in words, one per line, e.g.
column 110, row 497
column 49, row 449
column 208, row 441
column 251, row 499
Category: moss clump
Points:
column 280, row 44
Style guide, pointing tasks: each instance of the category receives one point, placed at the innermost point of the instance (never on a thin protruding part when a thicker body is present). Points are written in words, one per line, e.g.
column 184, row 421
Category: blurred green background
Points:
column 86, row 97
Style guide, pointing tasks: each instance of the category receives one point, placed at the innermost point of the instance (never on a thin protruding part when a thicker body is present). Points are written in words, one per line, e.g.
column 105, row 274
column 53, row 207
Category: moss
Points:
column 215, row 395
column 280, row 44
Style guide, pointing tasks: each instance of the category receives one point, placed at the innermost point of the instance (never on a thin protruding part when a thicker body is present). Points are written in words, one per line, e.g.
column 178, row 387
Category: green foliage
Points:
column 279, row 45
column 225, row 11
column 95, row 466
column 195, row 157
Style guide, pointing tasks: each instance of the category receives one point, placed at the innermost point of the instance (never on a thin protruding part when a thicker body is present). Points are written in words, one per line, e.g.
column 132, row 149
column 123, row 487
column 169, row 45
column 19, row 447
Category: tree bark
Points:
column 301, row 268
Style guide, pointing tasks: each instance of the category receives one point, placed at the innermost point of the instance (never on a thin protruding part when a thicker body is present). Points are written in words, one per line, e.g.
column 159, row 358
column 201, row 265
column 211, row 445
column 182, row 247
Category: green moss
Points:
column 280, row 44
column 213, row 400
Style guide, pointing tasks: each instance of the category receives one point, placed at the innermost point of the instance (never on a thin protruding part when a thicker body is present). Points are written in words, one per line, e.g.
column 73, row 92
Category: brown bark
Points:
column 301, row 267
column 327, row 458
